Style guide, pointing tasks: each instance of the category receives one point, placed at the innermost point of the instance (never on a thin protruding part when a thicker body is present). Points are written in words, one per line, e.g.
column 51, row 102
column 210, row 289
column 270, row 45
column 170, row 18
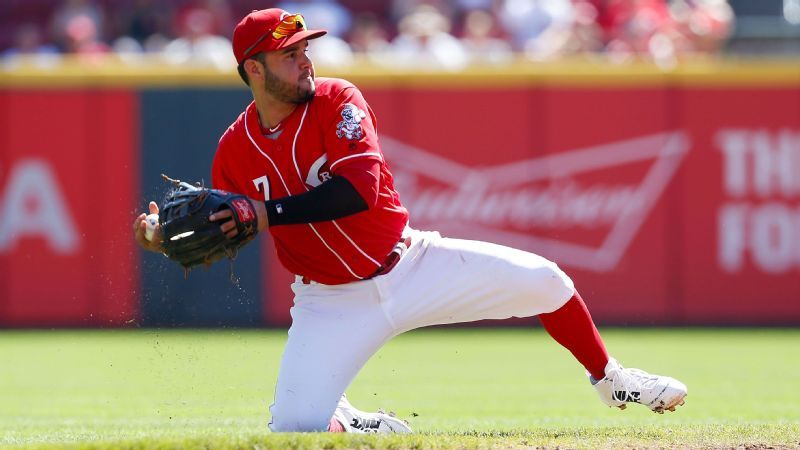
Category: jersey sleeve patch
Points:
column 350, row 126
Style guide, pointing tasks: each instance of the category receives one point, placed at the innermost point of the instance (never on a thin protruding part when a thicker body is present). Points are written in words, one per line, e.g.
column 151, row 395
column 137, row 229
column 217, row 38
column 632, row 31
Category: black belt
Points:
column 388, row 264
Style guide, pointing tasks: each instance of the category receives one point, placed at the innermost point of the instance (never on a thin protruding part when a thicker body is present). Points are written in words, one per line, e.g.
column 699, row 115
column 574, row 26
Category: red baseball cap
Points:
column 267, row 30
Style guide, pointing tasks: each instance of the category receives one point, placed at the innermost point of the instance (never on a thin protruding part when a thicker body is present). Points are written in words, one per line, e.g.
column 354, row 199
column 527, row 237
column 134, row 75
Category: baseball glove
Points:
column 190, row 239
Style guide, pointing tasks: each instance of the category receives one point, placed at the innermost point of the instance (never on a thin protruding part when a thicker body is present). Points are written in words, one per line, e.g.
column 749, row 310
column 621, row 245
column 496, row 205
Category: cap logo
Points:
column 289, row 25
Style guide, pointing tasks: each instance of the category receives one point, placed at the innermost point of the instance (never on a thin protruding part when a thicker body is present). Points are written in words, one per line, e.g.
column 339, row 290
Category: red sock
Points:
column 572, row 326
column 334, row 426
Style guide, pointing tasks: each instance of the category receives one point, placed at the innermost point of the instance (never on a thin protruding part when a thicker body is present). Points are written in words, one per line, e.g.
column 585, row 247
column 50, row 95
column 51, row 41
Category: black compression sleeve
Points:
column 333, row 199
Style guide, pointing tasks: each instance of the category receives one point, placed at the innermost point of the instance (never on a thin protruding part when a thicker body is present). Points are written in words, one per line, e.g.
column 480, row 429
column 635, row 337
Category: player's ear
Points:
column 254, row 68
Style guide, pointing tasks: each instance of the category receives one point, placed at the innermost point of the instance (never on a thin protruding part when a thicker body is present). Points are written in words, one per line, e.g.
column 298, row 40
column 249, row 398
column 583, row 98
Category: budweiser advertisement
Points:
column 67, row 183
column 667, row 204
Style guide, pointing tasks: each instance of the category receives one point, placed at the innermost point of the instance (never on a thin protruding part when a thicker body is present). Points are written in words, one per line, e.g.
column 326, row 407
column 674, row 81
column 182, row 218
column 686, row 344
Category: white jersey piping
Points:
column 294, row 146
column 356, row 156
column 302, row 180
column 247, row 130
column 334, row 253
column 274, row 166
column 354, row 244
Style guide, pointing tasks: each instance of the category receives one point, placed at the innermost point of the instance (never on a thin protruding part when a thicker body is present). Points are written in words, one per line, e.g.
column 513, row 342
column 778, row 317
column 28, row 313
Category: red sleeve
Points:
column 364, row 174
column 219, row 176
column 351, row 129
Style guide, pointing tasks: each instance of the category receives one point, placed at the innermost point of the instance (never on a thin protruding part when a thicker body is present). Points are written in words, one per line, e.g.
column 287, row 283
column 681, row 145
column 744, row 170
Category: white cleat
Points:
column 357, row 421
column 621, row 385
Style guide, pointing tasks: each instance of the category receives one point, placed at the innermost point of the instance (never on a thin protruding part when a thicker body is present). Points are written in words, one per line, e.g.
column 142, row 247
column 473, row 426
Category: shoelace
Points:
column 631, row 380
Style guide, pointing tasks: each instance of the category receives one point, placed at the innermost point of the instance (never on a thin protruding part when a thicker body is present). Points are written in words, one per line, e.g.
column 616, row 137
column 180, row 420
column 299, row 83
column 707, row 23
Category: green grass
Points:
column 460, row 388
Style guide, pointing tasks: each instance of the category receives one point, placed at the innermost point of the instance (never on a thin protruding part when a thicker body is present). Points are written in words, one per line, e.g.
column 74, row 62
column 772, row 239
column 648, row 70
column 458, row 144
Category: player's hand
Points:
column 139, row 228
column 229, row 225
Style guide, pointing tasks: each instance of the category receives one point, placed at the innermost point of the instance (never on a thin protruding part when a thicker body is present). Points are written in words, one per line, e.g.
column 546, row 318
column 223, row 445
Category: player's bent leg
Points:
column 454, row 280
column 572, row 326
column 622, row 385
column 328, row 344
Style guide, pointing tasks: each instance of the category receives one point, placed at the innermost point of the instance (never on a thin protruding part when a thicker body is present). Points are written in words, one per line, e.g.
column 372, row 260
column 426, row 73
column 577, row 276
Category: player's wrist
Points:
column 261, row 214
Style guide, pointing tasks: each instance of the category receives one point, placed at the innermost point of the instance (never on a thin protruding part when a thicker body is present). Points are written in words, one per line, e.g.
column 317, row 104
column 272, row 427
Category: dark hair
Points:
column 260, row 57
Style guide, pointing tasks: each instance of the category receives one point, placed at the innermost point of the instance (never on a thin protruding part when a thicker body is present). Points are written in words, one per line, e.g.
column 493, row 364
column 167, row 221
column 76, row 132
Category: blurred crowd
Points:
column 442, row 34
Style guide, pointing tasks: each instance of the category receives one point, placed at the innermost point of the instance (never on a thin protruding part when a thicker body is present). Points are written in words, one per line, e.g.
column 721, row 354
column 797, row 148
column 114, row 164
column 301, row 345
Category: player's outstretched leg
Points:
column 621, row 385
column 357, row 421
column 571, row 325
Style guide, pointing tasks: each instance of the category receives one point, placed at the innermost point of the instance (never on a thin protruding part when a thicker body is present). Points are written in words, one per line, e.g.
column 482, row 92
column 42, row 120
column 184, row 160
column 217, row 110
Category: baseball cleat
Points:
column 621, row 386
column 357, row 421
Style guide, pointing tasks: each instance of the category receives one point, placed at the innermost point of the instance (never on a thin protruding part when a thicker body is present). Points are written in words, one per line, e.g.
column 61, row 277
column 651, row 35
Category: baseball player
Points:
column 306, row 152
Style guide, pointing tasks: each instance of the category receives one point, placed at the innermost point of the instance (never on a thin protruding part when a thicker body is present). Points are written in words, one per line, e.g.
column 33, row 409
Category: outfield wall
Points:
column 670, row 198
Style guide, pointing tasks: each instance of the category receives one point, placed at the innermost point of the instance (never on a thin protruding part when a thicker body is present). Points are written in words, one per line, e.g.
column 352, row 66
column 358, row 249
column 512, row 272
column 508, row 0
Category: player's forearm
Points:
column 333, row 199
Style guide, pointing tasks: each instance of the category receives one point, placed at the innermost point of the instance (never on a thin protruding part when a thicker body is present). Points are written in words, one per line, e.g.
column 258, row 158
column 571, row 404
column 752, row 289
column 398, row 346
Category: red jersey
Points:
column 309, row 146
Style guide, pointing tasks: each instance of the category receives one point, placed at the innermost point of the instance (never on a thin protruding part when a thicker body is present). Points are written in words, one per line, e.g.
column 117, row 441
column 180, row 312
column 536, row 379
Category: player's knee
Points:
column 559, row 285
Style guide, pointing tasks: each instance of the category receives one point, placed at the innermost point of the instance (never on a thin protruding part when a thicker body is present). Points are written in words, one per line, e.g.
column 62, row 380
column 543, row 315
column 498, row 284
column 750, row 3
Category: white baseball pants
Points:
column 336, row 329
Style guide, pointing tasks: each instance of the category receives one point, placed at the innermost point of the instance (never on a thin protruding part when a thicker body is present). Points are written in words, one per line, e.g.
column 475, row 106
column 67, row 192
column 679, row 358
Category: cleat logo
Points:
column 582, row 207
column 368, row 425
column 625, row 396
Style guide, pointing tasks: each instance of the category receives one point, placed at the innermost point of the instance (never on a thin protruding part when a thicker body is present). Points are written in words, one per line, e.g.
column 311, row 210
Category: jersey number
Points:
column 262, row 185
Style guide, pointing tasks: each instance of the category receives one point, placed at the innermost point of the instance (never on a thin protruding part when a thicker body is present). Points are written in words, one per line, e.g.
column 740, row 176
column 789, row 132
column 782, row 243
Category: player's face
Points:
column 289, row 74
